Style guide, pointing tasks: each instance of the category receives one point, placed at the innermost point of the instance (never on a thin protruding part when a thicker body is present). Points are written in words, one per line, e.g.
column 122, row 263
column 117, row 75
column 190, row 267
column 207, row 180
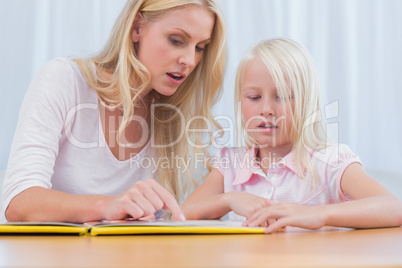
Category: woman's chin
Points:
column 166, row 91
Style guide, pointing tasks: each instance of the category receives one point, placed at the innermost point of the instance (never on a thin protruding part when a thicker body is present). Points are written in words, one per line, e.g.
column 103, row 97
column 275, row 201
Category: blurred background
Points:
column 355, row 43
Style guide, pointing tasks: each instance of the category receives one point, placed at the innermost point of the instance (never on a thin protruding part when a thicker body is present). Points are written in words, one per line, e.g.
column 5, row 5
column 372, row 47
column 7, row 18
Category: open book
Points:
column 131, row 227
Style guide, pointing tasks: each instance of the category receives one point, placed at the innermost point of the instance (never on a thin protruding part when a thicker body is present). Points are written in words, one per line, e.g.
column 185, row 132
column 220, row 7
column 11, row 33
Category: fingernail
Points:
column 181, row 217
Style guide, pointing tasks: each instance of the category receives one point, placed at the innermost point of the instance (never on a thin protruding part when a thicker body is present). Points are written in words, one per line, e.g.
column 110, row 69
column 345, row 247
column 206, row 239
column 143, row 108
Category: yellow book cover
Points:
column 44, row 228
column 172, row 227
column 130, row 227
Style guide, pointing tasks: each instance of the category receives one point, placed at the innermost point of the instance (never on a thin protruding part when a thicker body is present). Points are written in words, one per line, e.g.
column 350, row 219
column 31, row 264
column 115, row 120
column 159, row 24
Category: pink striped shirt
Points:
column 242, row 173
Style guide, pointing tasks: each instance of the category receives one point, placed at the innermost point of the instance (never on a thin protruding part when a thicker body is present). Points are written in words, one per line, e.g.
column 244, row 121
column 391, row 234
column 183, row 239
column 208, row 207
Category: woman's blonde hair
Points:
column 194, row 98
column 295, row 75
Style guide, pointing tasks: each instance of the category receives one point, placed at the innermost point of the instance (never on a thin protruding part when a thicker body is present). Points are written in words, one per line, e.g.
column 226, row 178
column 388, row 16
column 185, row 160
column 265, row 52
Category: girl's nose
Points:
column 267, row 109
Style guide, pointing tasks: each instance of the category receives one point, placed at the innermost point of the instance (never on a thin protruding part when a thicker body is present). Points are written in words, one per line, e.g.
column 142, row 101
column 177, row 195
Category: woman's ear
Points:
column 137, row 28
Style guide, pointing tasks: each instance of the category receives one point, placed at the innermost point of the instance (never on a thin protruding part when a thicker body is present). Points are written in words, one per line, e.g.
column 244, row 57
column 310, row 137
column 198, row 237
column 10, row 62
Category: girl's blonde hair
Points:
column 295, row 75
column 193, row 99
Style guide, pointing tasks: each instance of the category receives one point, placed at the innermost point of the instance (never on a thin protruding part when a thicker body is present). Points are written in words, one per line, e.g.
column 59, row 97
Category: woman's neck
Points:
column 136, row 133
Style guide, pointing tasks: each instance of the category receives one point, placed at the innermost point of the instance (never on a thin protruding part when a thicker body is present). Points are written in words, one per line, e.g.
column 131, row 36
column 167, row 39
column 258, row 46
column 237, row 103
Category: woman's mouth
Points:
column 176, row 77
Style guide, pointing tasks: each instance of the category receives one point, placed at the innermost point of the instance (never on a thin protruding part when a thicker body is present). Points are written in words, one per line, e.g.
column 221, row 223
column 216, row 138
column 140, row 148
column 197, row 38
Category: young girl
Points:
column 288, row 175
column 88, row 127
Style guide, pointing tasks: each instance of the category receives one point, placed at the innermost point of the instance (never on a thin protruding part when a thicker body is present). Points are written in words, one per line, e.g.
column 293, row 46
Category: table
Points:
column 294, row 247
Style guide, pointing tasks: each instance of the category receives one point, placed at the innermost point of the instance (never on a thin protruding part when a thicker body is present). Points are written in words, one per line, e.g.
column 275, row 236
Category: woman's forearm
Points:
column 40, row 204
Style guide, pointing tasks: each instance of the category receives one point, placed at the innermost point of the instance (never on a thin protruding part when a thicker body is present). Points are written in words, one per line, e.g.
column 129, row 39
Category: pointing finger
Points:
column 168, row 199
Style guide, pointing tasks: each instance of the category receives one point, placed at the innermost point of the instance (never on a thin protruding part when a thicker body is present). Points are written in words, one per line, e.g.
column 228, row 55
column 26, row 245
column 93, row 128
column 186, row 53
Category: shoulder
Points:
column 334, row 158
column 57, row 88
column 61, row 78
column 60, row 71
column 54, row 74
column 59, row 67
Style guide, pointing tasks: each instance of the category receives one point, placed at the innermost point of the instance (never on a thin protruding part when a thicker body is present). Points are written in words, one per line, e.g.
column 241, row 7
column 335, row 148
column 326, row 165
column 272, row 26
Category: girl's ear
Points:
column 137, row 28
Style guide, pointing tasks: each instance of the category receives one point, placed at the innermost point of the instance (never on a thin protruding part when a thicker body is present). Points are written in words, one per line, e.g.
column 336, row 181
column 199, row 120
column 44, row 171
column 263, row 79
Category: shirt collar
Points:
column 247, row 169
column 245, row 172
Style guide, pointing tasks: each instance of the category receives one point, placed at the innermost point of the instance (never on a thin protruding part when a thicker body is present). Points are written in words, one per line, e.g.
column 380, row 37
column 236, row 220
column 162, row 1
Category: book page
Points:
column 192, row 223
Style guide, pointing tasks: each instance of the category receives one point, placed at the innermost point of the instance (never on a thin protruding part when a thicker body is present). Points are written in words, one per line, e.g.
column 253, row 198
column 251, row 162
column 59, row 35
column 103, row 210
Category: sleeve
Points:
column 340, row 158
column 35, row 144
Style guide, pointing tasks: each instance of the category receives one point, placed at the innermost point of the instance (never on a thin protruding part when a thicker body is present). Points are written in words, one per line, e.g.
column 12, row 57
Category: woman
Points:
column 89, row 129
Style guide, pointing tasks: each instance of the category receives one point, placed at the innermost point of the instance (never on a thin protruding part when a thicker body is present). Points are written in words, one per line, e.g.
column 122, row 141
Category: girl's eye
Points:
column 254, row 97
column 281, row 99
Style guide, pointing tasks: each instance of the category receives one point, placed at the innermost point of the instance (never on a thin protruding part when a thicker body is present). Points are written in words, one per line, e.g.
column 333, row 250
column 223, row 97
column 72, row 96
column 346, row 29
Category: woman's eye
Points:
column 199, row 49
column 175, row 41
column 254, row 97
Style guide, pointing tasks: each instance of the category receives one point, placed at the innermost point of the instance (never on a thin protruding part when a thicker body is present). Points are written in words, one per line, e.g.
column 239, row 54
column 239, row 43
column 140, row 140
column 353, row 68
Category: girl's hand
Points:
column 245, row 204
column 280, row 215
column 141, row 201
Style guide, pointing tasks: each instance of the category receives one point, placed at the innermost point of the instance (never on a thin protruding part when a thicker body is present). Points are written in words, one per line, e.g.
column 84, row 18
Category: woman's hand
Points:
column 245, row 204
column 141, row 201
column 280, row 215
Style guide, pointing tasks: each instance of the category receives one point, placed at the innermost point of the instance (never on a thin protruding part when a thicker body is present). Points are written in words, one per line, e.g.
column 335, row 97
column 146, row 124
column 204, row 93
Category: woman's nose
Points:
column 188, row 59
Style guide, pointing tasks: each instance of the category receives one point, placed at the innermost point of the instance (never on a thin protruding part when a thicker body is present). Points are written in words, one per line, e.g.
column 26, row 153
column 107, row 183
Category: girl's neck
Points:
column 271, row 155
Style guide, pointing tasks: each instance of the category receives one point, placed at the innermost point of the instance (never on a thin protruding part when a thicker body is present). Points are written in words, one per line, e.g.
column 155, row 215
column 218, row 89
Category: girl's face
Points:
column 262, row 107
column 173, row 45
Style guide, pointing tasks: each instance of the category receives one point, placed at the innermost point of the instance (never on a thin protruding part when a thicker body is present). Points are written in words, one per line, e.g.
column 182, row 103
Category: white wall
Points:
column 35, row 31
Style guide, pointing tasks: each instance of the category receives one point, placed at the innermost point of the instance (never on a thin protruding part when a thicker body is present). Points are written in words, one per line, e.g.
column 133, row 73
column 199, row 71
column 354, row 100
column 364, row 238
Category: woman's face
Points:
column 172, row 46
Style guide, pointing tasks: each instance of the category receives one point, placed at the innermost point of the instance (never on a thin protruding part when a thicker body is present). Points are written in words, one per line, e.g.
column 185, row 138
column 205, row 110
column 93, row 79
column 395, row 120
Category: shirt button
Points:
column 270, row 190
column 269, row 179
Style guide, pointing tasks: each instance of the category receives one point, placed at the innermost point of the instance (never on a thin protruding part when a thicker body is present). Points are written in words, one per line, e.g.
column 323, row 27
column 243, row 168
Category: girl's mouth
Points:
column 267, row 125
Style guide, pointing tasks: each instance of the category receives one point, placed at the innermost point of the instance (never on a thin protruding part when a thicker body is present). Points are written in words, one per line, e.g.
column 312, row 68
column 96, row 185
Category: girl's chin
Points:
column 268, row 142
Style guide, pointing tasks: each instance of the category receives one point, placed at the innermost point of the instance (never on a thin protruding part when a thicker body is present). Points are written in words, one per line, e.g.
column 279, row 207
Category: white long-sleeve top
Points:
column 59, row 142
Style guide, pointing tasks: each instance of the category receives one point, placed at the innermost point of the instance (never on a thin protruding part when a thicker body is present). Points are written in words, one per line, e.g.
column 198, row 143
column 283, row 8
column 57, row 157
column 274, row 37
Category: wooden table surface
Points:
column 294, row 247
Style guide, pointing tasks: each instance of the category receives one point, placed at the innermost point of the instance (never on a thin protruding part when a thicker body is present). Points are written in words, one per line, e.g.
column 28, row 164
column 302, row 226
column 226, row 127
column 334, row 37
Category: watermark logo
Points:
column 230, row 130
